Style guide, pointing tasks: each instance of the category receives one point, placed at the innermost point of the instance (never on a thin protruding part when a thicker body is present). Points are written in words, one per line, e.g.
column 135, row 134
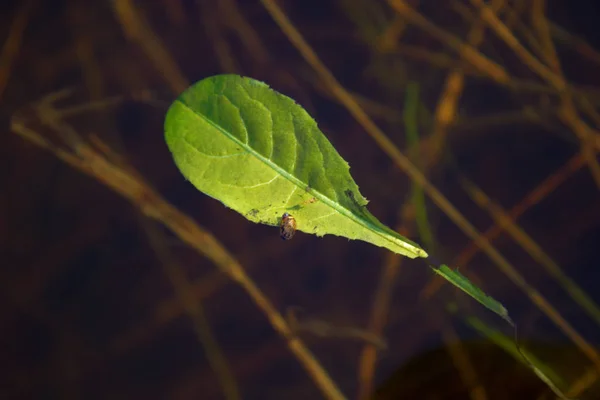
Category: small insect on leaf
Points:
column 287, row 227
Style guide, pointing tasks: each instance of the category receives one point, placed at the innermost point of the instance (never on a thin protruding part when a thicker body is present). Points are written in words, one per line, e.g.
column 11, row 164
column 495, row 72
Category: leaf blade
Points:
column 464, row 284
column 261, row 154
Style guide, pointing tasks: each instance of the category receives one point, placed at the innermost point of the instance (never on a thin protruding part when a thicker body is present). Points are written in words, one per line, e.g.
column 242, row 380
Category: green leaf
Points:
column 542, row 369
column 262, row 155
column 464, row 284
column 539, row 368
column 411, row 124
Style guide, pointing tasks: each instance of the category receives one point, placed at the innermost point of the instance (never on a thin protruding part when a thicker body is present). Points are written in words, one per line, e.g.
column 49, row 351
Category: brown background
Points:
column 87, row 310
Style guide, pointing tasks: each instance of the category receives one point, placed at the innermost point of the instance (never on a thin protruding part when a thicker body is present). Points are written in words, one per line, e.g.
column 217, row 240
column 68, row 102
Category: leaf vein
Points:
column 257, row 185
column 187, row 142
column 243, row 89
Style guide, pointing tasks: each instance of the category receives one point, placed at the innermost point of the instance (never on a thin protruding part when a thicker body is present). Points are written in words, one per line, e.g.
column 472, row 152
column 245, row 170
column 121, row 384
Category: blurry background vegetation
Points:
column 101, row 301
